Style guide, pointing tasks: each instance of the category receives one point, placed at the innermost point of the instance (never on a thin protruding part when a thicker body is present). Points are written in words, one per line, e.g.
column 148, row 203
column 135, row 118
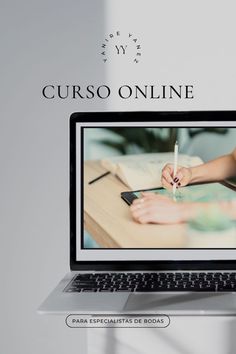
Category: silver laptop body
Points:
column 60, row 301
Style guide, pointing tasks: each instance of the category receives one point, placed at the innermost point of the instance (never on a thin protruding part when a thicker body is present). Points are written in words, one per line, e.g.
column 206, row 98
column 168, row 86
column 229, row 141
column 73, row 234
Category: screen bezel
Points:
column 131, row 116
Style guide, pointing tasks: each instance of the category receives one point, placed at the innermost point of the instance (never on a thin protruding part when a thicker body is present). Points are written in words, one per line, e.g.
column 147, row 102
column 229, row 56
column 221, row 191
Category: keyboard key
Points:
column 150, row 282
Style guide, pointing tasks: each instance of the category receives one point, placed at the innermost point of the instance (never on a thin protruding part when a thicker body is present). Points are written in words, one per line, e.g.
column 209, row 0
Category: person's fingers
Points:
column 145, row 219
column 138, row 201
column 148, row 195
column 138, row 207
column 164, row 199
column 166, row 174
column 182, row 177
column 150, row 205
column 153, row 197
column 159, row 210
column 138, row 213
column 169, row 167
column 143, row 206
column 147, row 215
column 135, row 208
column 166, row 184
column 179, row 176
column 144, row 215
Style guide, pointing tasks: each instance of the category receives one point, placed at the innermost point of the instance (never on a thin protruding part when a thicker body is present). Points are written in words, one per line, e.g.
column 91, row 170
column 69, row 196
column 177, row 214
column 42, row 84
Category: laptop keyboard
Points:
column 151, row 282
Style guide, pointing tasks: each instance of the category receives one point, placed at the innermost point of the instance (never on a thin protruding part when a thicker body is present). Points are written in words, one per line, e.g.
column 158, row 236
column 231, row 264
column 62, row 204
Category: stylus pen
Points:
column 99, row 177
column 175, row 165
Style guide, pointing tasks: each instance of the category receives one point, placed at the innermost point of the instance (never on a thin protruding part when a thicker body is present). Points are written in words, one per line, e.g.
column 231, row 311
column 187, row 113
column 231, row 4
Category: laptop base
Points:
column 169, row 303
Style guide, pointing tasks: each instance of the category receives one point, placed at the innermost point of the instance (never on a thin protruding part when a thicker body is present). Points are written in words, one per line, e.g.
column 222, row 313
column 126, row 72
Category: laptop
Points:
column 118, row 265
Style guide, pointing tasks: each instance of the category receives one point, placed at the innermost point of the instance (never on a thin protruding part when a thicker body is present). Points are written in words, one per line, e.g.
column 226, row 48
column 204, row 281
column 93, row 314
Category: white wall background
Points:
column 58, row 42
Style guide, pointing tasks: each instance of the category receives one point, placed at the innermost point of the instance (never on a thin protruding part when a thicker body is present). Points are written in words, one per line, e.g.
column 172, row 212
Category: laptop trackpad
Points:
column 182, row 303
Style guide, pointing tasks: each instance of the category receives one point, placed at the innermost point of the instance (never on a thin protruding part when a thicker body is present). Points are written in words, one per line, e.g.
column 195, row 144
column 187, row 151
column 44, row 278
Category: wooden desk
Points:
column 107, row 217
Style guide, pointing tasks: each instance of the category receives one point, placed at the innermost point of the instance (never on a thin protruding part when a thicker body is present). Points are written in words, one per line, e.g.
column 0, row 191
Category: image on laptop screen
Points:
column 155, row 189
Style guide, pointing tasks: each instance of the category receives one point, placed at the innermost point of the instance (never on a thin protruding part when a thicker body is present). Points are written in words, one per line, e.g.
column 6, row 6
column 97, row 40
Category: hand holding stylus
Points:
column 181, row 178
column 215, row 170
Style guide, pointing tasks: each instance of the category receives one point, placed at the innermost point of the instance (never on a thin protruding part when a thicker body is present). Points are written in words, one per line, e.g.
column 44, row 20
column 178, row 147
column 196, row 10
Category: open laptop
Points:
column 123, row 266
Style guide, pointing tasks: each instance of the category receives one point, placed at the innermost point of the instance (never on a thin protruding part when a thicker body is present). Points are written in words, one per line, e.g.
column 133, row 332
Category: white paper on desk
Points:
column 144, row 171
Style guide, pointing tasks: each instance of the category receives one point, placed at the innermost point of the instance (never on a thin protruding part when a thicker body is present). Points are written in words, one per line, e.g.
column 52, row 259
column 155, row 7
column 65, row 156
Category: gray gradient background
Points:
column 58, row 42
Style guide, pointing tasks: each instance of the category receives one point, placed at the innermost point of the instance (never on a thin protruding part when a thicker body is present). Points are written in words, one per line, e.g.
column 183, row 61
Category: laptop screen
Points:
column 155, row 189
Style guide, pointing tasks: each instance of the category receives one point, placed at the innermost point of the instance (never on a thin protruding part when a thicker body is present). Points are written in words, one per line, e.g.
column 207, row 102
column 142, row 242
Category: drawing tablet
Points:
column 208, row 192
